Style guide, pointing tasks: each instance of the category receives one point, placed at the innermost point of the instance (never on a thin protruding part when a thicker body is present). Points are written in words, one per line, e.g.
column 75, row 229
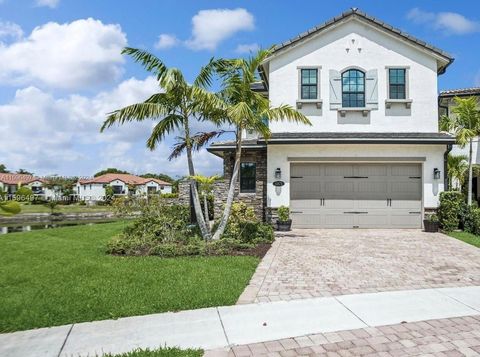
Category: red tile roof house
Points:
column 11, row 182
column 123, row 184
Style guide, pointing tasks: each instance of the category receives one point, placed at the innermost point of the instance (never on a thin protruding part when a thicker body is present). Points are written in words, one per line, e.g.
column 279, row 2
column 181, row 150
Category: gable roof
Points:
column 461, row 92
column 15, row 179
column 126, row 178
column 356, row 13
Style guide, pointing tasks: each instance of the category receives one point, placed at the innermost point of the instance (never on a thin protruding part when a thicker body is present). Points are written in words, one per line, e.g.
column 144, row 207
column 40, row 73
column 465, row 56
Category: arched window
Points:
column 353, row 89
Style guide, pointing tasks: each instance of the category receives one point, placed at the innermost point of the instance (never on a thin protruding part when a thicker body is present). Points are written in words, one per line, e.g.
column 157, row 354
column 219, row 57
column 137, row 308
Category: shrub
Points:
column 283, row 213
column 472, row 220
column 24, row 194
column 449, row 210
column 243, row 225
column 169, row 195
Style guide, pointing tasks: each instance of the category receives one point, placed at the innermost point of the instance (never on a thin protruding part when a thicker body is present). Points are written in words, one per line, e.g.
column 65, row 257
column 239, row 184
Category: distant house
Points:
column 122, row 184
column 10, row 183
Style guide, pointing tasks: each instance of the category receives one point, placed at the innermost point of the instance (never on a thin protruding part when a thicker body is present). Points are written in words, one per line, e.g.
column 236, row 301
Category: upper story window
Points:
column 353, row 89
column 248, row 173
column 309, row 83
column 397, row 83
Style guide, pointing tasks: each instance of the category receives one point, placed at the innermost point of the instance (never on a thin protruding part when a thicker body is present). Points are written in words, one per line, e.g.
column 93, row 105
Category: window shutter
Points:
column 335, row 89
column 371, row 89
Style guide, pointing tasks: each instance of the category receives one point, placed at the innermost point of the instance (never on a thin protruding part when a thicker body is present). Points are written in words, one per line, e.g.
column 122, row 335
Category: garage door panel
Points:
column 339, row 170
column 366, row 188
column 406, row 170
column 338, row 203
column 372, row 204
column 378, row 220
column 342, row 187
column 334, row 220
column 405, row 220
column 307, row 220
column 371, row 170
column 305, row 170
column 406, row 204
column 305, row 204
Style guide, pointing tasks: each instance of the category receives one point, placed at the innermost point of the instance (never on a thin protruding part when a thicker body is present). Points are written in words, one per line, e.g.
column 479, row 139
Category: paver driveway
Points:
column 311, row 263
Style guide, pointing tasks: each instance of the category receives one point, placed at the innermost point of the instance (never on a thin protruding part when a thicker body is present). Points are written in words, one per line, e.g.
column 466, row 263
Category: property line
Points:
column 65, row 341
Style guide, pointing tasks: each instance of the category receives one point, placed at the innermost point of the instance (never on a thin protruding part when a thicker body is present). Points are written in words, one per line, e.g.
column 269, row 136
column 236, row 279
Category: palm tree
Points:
column 206, row 188
column 174, row 105
column 465, row 125
column 247, row 110
column 456, row 166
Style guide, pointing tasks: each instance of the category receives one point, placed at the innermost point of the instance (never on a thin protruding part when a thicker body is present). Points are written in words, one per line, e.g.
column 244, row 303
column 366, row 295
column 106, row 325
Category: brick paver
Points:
column 458, row 336
column 313, row 263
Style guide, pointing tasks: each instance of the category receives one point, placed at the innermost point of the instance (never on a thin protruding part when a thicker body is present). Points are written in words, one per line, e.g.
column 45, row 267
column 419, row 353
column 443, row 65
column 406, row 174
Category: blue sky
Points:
column 61, row 68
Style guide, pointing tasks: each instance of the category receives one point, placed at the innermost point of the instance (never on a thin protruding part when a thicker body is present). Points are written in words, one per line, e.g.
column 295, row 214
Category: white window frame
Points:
column 318, row 101
column 407, row 101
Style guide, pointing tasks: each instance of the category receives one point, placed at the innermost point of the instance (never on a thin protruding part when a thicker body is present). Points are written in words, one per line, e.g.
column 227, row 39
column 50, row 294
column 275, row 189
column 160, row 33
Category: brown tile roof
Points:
column 460, row 92
column 15, row 179
column 127, row 178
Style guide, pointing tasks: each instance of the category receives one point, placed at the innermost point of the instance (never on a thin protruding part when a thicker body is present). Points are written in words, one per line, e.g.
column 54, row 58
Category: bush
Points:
column 472, row 220
column 283, row 213
column 24, row 194
column 449, row 210
column 164, row 230
column 169, row 195
column 243, row 225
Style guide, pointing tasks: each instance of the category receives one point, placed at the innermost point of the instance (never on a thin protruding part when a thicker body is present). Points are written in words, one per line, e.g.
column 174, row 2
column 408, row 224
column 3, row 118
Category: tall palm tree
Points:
column 247, row 110
column 456, row 166
column 465, row 125
column 176, row 103
column 206, row 188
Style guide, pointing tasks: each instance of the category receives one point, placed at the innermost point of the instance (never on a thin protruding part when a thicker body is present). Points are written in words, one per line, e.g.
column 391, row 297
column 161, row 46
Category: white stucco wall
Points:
column 371, row 50
column 278, row 154
column 143, row 189
column 90, row 192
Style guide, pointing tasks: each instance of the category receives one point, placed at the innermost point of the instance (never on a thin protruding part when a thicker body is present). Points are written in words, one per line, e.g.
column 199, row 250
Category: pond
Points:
column 34, row 226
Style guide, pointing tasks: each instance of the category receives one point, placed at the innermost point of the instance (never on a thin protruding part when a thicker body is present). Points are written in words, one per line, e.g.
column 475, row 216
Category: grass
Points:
column 60, row 276
column 73, row 208
column 467, row 238
column 161, row 352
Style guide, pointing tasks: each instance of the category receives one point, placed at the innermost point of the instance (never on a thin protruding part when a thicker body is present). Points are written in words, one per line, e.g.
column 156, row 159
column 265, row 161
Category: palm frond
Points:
column 135, row 112
column 149, row 61
column 286, row 112
column 168, row 124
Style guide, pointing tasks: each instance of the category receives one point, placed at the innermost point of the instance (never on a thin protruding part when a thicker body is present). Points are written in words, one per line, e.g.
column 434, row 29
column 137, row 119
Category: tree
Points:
column 163, row 177
column 247, row 110
column 110, row 170
column 465, row 125
column 52, row 205
column 176, row 103
column 24, row 172
column 456, row 166
column 206, row 188
column 3, row 169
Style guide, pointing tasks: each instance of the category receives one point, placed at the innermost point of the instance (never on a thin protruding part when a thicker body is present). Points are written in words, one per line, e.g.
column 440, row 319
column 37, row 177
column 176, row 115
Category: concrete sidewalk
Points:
column 221, row 327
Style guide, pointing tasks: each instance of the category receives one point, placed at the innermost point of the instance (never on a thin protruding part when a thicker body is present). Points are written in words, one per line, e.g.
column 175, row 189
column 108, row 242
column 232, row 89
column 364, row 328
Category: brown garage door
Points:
column 363, row 195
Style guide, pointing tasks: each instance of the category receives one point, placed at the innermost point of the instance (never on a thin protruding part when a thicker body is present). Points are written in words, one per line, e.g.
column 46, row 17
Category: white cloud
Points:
column 49, row 3
column 10, row 30
column 61, row 135
column 211, row 27
column 166, row 41
column 449, row 22
column 247, row 48
column 80, row 54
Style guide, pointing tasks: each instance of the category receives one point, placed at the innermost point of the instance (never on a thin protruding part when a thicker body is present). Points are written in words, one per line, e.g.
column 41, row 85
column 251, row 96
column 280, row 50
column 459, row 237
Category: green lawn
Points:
column 162, row 352
column 59, row 276
column 466, row 237
column 74, row 208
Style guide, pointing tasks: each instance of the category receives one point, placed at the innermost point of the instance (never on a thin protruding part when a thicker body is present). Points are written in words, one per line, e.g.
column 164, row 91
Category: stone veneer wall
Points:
column 258, row 199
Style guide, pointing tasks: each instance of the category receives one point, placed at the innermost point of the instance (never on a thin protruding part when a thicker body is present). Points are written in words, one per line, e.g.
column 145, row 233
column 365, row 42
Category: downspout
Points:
column 445, row 166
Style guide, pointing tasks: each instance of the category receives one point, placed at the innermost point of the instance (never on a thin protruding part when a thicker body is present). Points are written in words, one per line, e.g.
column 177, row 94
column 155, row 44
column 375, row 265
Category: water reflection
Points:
column 34, row 226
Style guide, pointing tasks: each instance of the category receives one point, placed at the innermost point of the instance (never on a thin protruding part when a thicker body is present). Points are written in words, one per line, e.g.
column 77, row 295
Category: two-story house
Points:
column 373, row 157
column 445, row 104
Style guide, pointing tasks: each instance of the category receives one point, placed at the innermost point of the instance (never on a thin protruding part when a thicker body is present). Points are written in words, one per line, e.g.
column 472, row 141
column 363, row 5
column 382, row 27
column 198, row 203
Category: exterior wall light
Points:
column 436, row 174
column 278, row 173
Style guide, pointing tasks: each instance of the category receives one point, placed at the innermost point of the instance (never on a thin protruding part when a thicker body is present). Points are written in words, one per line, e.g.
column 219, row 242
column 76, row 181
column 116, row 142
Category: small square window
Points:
column 248, row 173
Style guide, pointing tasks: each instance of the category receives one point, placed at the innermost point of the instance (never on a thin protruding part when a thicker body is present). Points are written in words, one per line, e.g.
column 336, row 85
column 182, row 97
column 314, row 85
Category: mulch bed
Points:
column 258, row 251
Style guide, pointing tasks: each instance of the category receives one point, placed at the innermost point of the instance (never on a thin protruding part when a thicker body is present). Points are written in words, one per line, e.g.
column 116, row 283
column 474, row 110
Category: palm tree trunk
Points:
column 205, row 204
column 205, row 231
column 470, row 174
column 231, row 190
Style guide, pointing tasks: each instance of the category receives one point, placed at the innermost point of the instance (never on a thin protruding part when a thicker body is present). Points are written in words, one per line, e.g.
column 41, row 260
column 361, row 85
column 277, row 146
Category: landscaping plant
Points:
column 449, row 210
column 465, row 124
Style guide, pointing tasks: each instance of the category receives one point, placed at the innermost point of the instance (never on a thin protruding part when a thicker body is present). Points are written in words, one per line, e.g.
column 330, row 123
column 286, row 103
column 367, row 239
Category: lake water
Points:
column 34, row 226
